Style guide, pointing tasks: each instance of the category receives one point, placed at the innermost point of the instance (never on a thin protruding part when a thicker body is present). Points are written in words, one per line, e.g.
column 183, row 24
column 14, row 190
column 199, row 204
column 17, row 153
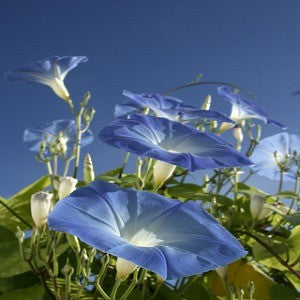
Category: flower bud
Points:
column 162, row 171
column 40, row 207
column 88, row 169
column 124, row 268
column 222, row 271
column 206, row 103
column 256, row 205
column 238, row 134
column 20, row 235
column 67, row 270
column 66, row 186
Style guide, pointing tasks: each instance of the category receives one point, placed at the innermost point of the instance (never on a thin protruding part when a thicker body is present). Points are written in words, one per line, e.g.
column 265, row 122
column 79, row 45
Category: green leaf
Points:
column 36, row 292
column 109, row 178
column 12, row 264
column 34, row 187
column 189, row 191
column 20, row 204
column 287, row 194
column 293, row 280
column 287, row 249
column 21, row 281
column 280, row 292
column 294, row 219
column 250, row 190
column 111, row 173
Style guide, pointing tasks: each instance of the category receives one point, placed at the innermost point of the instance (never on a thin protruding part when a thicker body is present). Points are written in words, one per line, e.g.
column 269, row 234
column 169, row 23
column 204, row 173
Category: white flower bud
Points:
column 238, row 134
column 124, row 268
column 256, row 205
column 162, row 171
column 66, row 186
column 206, row 103
column 40, row 207
column 222, row 271
column 88, row 169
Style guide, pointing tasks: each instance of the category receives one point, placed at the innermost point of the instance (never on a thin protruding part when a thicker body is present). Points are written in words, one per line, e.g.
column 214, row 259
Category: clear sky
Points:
column 143, row 46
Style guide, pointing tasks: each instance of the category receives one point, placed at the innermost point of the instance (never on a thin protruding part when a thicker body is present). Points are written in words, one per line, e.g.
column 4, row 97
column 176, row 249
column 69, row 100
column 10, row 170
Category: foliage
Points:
column 39, row 263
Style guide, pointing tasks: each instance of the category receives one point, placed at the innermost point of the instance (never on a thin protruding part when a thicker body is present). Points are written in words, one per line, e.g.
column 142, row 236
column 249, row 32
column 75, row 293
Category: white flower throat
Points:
column 142, row 238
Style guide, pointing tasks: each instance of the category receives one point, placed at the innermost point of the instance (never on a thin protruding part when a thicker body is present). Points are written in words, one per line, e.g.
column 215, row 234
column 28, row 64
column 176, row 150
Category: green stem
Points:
column 273, row 252
column 102, row 292
column 78, row 141
column 55, row 161
column 195, row 83
column 280, row 182
column 131, row 286
column 114, row 290
column 124, row 164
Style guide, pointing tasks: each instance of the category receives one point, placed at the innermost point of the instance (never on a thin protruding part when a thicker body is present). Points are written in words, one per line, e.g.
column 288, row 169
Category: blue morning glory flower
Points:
column 33, row 137
column 243, row 109
column 50, row 71
column 166, row 236
column 166, row 107
column 279, row 149
column 171, row 142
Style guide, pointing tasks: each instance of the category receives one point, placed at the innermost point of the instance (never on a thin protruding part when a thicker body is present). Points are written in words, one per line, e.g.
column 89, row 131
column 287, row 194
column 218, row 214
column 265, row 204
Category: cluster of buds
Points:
column 284, row 161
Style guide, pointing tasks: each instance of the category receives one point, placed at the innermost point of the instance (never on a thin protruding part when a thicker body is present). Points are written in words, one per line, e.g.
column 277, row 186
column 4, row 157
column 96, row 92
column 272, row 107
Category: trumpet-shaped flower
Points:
column 166, row 107
column 243, row 109
column 63, row 130
column 50, row 71
column 168, row 237
column 275, row 153
column 172, row 142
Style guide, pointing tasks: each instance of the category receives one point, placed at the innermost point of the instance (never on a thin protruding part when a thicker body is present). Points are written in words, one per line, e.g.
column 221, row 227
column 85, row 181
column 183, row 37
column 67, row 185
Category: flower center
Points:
column 144, row 238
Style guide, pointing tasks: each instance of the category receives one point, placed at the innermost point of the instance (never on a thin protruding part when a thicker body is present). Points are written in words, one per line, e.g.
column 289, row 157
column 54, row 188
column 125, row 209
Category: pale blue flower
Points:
column 243, row 109
column 33, row 137
column 166, row 107
column 168, row 237
column 50, row 71
column 172, row 142
column 279, row 149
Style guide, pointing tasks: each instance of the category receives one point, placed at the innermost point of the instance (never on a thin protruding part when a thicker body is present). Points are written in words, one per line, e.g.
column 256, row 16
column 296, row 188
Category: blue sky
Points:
column 143, row 46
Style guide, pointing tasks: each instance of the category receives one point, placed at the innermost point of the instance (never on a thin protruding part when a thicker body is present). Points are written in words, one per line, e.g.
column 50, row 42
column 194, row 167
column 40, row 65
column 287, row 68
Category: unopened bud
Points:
column 205, row 182
column 92, row 252
column 66, row 186
column 84, row 257
column 73, row 242
column 88, row 169
column 86, row 99
column 206, row 103
column 222, row 271
column 162, row 171
column 67, row 270
column 40, row 207
column 238, row 134
column 124, row 268
column 256, row 205
column 88, row 115
column 20, row 235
